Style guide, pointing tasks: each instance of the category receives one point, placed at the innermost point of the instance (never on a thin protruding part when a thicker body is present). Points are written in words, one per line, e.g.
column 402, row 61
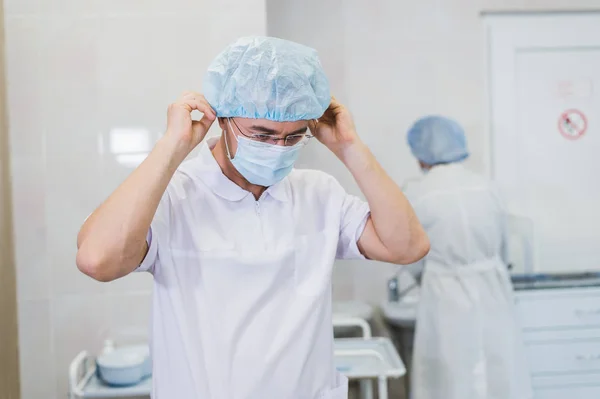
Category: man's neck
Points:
column 220, row 153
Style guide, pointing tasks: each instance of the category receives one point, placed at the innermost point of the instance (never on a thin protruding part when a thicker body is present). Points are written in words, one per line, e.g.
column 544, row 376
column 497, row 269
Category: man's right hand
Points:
column 181, row 129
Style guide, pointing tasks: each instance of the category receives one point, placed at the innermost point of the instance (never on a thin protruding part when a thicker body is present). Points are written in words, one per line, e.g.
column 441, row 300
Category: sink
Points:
column 402, row 313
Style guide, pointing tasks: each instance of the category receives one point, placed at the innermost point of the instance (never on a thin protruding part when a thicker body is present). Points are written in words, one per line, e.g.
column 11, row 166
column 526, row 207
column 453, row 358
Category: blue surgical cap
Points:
column 267, row 78
column 436, row 140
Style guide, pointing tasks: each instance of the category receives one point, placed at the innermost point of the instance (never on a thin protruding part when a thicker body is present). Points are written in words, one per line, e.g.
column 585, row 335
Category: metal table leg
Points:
column 383, row 391
column 366, row 389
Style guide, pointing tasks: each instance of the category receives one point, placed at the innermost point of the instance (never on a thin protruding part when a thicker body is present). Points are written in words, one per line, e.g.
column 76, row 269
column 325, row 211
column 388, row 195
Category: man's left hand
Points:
column 335, row 129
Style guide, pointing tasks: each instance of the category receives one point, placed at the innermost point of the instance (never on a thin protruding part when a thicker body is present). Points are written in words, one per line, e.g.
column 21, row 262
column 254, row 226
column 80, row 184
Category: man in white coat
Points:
column 468, row 342
column 240, row 244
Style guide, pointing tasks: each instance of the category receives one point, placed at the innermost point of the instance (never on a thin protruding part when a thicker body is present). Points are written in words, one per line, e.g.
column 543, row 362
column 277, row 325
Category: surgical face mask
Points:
column 260, row 163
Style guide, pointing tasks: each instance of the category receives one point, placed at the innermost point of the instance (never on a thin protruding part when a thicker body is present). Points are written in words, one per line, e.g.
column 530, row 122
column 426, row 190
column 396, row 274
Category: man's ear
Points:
column 222, row 123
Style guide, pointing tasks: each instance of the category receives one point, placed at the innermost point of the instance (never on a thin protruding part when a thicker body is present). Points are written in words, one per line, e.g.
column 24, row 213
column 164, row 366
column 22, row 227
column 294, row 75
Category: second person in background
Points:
column 467, row 341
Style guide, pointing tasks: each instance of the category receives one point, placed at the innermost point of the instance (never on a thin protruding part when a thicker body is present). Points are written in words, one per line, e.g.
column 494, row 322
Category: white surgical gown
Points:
column 468, row 342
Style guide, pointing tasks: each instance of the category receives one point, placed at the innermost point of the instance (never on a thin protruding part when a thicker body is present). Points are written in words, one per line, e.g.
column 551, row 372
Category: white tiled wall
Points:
column 78, row 70
column 391, row 62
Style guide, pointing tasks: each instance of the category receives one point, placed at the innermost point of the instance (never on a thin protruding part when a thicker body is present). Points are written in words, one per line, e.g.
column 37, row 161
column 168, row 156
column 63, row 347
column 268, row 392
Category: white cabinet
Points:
column 572, row 355
column 568, row 392
column 561, row 330
column 577, row 386
column 553, row 309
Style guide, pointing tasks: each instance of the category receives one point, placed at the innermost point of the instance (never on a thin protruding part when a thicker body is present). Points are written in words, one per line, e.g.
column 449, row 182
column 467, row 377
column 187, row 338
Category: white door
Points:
column 544, row 90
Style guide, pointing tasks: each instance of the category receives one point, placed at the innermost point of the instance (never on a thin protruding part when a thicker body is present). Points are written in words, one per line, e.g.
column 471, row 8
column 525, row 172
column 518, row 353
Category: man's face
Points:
column 263, row 130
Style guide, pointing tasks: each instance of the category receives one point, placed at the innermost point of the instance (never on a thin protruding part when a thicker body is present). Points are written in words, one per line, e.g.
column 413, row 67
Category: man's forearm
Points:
column 393, row 218
column 112, row 241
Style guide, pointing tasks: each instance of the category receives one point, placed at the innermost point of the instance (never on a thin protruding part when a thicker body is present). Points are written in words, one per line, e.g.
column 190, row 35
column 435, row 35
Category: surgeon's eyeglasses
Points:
column 288, row 141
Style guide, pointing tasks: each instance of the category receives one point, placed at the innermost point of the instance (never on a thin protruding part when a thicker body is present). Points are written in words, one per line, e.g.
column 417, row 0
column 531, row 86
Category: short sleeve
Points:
column 354, row 215
column 158, row 230
column 150, row 258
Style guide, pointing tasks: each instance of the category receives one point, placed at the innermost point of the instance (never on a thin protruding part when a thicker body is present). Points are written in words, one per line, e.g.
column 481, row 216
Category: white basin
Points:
column 402, row 313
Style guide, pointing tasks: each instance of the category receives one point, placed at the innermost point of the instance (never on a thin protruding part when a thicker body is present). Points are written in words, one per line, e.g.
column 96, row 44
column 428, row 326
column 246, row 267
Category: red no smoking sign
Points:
column 572, row 124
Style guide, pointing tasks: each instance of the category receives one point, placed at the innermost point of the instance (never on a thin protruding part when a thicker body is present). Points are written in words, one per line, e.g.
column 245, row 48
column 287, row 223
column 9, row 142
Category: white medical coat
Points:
column 468, row 342
column 242, row 288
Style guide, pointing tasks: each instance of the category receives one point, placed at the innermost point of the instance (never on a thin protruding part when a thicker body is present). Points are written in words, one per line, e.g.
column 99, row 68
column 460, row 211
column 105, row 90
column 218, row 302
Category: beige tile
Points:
column 537, row 5
column 132, row 68
column 129, row 317
column 66, row 278
column 343, row 272
column 371, row 281
column 25, row 53
column 72, row 48
column 395, row 20
column 36, row 350
column 80, row 323
column 72, row 119
column 142, row 70
column 99, row 8
column 41, row 8
column 113, row 8
column 29, row 224
column 343, row 292
column 52, row 78
column 73, row 189
column 134, row 283
column 248, row 18
column 180, row 8
column 67, row 206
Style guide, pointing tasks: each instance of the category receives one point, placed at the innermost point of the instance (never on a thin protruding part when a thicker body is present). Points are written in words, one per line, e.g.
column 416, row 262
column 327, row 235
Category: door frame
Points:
column 9, row 335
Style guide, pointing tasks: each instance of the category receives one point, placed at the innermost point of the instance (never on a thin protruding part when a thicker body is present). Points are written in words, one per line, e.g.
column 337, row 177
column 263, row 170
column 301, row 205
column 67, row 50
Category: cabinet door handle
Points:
column 582, row 358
